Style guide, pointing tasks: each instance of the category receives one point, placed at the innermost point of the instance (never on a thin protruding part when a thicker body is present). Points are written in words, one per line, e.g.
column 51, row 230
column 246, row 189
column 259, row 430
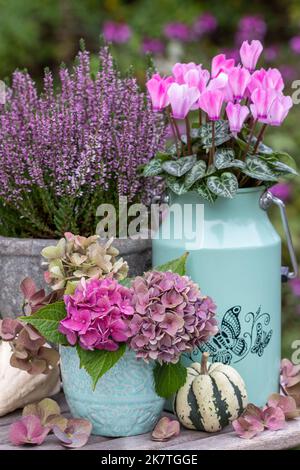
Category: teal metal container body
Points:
column 237, row 263
column 124, row 402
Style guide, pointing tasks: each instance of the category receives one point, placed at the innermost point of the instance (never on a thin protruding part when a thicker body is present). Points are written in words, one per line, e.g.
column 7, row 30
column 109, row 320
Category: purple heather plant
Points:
column 170, row 318
column 64, row 151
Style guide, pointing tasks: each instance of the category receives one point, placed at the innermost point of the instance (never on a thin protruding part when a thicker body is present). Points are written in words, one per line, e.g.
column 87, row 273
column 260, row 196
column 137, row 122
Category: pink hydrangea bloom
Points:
column 96, row 314
column 170, row 317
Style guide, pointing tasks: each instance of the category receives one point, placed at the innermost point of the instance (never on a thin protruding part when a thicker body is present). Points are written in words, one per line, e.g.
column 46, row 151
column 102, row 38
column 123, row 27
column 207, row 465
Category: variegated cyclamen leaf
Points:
column 153, row 168
column 176, row 185
column 223, row 158
column 226, row 185
column 222, row 133
column 262, row 148
column 196, row 172
column 283, row 168
column 203, row 191
column 258, row 169
column 180, row 166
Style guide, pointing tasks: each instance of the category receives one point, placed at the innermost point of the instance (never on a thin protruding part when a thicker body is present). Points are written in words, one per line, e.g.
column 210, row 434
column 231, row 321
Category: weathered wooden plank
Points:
column 286, row 438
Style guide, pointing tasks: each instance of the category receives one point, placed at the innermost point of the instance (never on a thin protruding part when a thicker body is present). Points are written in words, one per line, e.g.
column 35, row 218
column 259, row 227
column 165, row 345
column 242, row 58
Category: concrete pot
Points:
column 20, row 257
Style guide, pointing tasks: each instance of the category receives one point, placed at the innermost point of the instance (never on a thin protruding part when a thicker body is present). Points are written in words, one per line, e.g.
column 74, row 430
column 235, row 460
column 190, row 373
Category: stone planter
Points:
column 20, row 257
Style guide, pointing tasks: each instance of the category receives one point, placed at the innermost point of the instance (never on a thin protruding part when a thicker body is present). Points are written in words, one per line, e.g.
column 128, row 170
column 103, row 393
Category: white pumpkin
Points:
column 18, row 388
column 212, row 397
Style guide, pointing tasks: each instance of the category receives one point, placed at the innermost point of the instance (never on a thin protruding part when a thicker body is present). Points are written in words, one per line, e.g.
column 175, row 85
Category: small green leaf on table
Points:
column 46, row 321
column 98, row 362
column 169, row 378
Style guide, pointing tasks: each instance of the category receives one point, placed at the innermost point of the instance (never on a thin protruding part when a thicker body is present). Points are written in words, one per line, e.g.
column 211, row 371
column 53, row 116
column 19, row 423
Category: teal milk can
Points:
column 235, row 257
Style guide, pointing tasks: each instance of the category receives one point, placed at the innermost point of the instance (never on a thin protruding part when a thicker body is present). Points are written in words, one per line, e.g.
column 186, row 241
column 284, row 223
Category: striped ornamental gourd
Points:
column 212, row 397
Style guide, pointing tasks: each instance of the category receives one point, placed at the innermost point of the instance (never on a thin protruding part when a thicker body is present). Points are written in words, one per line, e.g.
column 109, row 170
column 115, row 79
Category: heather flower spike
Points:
column 250, row 53
column 165, row 429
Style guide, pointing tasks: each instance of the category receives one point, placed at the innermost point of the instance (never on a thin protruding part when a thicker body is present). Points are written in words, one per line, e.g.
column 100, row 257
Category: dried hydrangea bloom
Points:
column 29, row 349
column 170, row 316
column 75, row 257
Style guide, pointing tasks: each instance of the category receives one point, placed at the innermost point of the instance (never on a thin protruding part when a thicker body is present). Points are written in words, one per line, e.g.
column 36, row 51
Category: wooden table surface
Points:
column 187, row 440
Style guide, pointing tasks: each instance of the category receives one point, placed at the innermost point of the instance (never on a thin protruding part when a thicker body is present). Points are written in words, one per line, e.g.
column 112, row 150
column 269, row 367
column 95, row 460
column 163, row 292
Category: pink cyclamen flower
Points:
column 179, row 70
column 250, row 53
column 118, row 33
column 197, row 78
column 221, row 64
column 236, row 116
column 211, row 102
column 158, row 88
column 266, row 79
column 28, row 430
column 262, row 101
column 182, row 98
column 279, row 110
column 238, row 80
column 295, row 44
column 283, row 191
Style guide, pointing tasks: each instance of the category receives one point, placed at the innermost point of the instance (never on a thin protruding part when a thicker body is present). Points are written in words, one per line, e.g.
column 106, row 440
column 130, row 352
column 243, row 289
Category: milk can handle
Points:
column 266, row 201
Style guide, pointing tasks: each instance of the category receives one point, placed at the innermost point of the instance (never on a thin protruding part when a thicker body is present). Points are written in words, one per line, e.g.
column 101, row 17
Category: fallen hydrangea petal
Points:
column 28, row 430
column 286, row 403
column 274, row 418
column 76, row 433
column 289, row 374
column 44, row 410
column 165, row 429
column 248, row 426
column 9, row 328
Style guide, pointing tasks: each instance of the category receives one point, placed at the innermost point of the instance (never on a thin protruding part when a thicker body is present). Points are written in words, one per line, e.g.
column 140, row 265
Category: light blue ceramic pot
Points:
column 239, row 266
column 124, row 402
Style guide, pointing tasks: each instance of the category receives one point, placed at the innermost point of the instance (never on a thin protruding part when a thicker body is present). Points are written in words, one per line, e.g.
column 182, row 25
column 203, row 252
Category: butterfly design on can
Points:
column 230, row 345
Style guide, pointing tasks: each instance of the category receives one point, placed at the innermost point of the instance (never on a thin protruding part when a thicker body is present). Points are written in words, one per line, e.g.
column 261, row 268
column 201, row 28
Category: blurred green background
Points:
column 35, row 34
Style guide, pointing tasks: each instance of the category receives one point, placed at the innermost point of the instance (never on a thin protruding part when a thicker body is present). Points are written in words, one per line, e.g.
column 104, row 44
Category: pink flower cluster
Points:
column 96, row 314
column 273, row 416
column 170, row 316
column 240, row 87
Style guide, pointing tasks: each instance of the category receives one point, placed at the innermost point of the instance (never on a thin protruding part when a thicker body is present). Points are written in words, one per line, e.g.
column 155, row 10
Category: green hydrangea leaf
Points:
column 177, row 265
column 46, row 321
column 180, row 166
column 195, row 173
column 225, row 185
column 169, row 378
column 98, row 362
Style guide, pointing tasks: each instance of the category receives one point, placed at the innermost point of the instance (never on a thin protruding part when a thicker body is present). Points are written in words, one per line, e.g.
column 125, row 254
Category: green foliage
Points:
column 46, row 321
column 177, row 265
column 169, row 378
column 98, row 362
